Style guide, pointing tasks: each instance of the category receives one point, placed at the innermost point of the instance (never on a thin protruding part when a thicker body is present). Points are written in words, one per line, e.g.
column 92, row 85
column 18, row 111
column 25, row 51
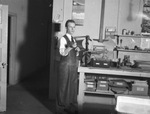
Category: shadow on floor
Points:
column 31, row 95
column 38, row 86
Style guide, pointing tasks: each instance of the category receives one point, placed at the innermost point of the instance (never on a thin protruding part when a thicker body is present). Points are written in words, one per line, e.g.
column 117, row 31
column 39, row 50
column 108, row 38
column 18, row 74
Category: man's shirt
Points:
column 62, row 45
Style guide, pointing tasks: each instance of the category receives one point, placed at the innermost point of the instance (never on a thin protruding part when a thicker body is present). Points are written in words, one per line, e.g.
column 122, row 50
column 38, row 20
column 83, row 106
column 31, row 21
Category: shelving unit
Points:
column 135, row 51
column 112, row 94
column 86, row 96
column 100, row 92
column 130, row 36
column 134, row 36
column 113, row 73
column 120, row 48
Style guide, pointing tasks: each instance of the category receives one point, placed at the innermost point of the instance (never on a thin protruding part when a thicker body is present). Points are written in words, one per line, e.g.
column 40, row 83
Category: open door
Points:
column 3, row 55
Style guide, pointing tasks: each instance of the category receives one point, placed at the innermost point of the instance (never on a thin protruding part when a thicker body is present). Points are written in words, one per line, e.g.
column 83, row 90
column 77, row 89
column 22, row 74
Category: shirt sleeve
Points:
column 62, row 44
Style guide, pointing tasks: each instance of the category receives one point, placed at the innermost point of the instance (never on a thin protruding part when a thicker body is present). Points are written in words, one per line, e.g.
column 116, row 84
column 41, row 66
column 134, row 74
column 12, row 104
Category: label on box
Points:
column 104, row 82
column 90, row 82
column 97, row 63
column 140, row 89
column 119, row 83
column 90, row 85
column 105, row 63
column 102, row 85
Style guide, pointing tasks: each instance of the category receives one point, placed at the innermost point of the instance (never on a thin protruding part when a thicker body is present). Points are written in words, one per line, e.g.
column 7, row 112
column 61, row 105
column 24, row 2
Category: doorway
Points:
column 12, row 28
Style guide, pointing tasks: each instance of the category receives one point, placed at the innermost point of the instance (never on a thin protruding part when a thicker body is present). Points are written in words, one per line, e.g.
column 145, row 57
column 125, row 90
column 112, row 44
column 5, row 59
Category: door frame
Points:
column 13, row 36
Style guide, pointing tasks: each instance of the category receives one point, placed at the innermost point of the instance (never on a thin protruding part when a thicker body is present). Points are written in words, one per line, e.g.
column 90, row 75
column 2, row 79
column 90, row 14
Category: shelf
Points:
column 99, row 92
column 115, row 71
column 116, row 95
column 145, row 5
column 134, row 36
column 107, row 96
column 103, row 100
column 135, row 51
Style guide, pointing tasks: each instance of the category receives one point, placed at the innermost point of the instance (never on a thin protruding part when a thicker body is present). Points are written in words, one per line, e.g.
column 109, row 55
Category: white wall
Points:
column 111, row 14
column 128, row 15
column 122, row 14
column 91, row 21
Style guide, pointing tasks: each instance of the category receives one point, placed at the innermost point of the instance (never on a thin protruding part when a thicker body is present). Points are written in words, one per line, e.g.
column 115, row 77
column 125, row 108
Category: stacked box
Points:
column 139, row 88
column 118, row 86
column 90, row 83
column 102, row 85
column 90, row 86
column 101, row 63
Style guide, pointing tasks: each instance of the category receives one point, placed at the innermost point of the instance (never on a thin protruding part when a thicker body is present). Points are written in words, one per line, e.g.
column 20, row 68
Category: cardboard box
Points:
column 90, row 86
column 102, row 85
column 101, row 63
column 139, row 89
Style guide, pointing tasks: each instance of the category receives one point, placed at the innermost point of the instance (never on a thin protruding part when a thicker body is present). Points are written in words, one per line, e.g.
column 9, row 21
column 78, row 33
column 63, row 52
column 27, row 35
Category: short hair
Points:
column 69, row 21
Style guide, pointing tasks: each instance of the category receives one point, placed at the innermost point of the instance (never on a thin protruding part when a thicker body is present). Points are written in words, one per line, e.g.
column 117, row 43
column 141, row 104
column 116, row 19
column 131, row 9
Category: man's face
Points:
column 70, row 28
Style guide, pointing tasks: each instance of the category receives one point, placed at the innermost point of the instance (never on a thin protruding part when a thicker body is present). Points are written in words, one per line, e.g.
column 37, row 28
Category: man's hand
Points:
column 74, row 45
column 77, row 49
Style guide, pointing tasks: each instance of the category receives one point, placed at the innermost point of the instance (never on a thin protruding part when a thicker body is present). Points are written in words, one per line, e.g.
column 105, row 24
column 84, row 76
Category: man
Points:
column 67, row 79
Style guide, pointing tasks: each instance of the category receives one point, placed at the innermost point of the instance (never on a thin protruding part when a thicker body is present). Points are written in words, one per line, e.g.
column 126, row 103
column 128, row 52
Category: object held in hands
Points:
column 74, row 45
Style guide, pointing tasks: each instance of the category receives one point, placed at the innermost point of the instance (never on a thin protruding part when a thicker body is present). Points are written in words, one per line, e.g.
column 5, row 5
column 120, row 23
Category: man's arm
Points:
column 62, row 47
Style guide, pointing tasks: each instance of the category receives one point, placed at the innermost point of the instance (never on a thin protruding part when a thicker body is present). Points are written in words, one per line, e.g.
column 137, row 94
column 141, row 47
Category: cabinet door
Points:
column 3, row 55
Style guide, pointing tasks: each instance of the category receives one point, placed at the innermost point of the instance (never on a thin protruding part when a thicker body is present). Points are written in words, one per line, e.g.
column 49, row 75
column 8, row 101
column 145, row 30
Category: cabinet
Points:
column 112, row 72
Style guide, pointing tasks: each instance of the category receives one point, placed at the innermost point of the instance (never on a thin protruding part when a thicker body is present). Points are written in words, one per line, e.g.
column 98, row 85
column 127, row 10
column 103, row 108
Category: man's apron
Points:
column 67, row 79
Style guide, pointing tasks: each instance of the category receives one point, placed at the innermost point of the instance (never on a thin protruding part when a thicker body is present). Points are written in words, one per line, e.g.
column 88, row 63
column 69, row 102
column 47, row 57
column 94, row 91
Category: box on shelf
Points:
column 90, row 78
column 102, row 85
column 139, row 88
column 90, row 85
column 118, row 86
column 101, row 63
column 118, row 83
